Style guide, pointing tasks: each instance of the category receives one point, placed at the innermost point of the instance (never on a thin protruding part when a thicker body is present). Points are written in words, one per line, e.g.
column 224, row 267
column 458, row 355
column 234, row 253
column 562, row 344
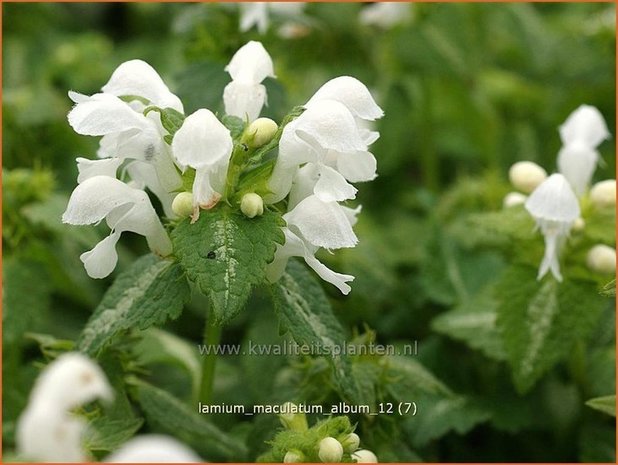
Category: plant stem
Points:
column 212, row 337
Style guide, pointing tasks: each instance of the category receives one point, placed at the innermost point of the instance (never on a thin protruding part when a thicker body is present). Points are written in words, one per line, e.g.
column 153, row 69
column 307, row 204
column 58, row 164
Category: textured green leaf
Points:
column 606, row 404
column 104, row 434
column 409, row 377
column 540, row 321
column 474, row 323
column 609, row 290
column 305, row 312
column 148, row 293
column 226, row 253
column 168, row 414
column 171, row 119
column 235, row 124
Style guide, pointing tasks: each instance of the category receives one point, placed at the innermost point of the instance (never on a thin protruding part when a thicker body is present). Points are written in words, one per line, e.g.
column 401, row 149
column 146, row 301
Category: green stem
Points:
column 212, row 337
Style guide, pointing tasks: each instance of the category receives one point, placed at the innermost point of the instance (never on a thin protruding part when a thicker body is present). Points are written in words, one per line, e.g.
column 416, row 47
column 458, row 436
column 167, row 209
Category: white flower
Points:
column 257, row 13
column 330, row 450
column 526, row 176
column 153, row 448
column 364, row 456
column 603, row 193
column 125, row 209
column 245, row 95
column 46, row 431
column 602, row 259
column 581, row 133
column 385, row 14
column 513, row 199
column 205, row 144
column 555, row 208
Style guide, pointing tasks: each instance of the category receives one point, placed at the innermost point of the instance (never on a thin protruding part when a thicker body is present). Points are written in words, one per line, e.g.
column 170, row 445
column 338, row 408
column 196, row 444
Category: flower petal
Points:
column 577, row 162
column 554, row 200
column 244, row 100
column 138, row 78
column 254, row 14
column 350, row 92
column 202, row 141
column 146, row 176
column 280, row 181
column 104, row 114
column 90, row 168
column 323, row 224
column 153, row 448
column 587, row 125
column 332, row 186
column 251, row 64
column 102, row 259
column 357, row 166
column 304, row 182
column 292, row 150
column 336, row 279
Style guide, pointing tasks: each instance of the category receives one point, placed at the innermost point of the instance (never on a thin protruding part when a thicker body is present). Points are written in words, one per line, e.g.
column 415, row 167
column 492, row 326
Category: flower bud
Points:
column 578, row 225
column 294, row 456
column 291, row 418
column 350, row 442
column 260, row 132
column 364, row 456
column 602, row 259
column 526, row 176
column 182, row 205
column 603, row 194
column 513, row 199
column 330, row 450
column 252, row 205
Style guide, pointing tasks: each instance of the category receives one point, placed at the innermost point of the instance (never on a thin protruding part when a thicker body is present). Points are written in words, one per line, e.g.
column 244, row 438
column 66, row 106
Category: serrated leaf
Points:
column 606, row 404
column 235, row 124
column 474, row 323
column 171, row 119
column 305, row 312
column 168, row 414
column 148, row 293
column 226, row 253
column 540, row 321
column 408, row 377
column 104, row 434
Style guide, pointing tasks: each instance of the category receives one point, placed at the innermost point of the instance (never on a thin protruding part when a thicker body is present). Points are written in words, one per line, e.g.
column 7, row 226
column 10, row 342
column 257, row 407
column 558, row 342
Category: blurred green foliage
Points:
column 467, row 90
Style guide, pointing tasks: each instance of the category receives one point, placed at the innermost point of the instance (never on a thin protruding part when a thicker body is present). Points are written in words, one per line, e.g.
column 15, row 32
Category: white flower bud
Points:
column 526, row 176
column 578, row 225
column 603, row 194
column 252, row 205
column 294, row 456
column 602, row 259
column 513, row 199
column 364, row 456
column 330, row 450
column 182, row 205
column 351, row 442
column 260, row 132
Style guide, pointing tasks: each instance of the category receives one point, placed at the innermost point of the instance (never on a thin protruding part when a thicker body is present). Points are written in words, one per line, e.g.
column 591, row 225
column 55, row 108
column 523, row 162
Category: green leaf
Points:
column 226, row 253
column 409, row 377
column 606, row 404
column 305, row 312
column 540, row 321
column 148, row 293
column 168, row 414
column 235, row 124
column 104, row 434
column 171, row 119
column 609, row 290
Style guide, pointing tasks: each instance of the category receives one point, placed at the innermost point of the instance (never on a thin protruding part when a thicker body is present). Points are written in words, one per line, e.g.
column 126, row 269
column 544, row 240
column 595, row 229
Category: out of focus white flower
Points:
column 294, row 456
column 603, row 193
column 526, row 176
column 46, row 431
column 602, row 259
column 153, row 448
column 245, row 95
column 581, row 134
column 258, row 13
column 351, row 442
column 512, row 199
column 386, row 14
column 554, row 207
column 330, row 450
column 125, row 209
column 364, row 456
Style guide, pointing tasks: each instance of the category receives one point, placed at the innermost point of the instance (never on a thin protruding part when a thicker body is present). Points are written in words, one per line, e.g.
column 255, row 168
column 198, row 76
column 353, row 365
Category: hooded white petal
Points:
column 103, row 258
column 322, row 224
column 202, row 141
column 336, row 279
column 332, row 186
column 280, row 181
column 90, row 168
column 153, row 448
column 357, row 166
column 350, row 92
column 244, row 100
column 254, row 14
column 385, row 14
column 104, row 114
column 251, row 64
column 554, row 200
column 138, row 78
column 292, row 150
column 304, row 182
column 146, row 176
column 585, row 125
column 577, row 162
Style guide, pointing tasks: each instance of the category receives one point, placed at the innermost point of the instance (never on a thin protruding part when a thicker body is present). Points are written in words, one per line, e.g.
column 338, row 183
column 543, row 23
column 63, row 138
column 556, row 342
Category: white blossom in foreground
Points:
column 153, row 448
column 46, row 430
column 125, row 209
column 581, row 134
column 554, row 207
column 205, row 144
column 385, row 14
column 245, row 95
column 602, row 259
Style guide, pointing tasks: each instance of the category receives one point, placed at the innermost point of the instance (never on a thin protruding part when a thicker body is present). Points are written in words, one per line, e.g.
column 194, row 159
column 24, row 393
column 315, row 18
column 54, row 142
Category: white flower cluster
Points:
column 48, row 432
column 554, row 201
column 331, row 450
column 321, row 153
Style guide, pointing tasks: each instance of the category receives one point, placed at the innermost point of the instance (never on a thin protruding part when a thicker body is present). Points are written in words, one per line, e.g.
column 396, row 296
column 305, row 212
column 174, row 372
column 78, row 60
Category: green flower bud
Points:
column 252, row 205
column 526, row 176
column 351, row 442
column 292, row 419
column 330, row 450
column 364, row 456
column 294, row 456
column 260, row 132
column 182, row 204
